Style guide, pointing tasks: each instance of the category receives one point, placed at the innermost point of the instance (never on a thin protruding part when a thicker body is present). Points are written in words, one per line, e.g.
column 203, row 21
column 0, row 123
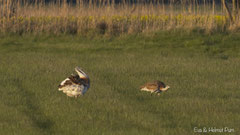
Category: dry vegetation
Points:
column 104, row 17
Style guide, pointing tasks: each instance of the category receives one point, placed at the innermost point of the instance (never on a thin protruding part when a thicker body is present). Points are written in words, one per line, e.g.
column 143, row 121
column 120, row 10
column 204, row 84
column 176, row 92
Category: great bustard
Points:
column 75, row 85
column 155, row 87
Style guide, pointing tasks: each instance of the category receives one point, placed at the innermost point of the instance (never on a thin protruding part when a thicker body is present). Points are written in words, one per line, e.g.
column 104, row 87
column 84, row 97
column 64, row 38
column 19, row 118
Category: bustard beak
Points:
column 166, row 88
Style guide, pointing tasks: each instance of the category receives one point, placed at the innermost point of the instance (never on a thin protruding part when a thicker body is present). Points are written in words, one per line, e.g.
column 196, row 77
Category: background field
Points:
column 108, row 18
column 202, row 70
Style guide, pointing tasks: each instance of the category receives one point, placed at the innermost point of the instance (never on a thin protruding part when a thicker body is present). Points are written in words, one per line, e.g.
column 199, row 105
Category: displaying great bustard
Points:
column 75, row 85
column 155, row 87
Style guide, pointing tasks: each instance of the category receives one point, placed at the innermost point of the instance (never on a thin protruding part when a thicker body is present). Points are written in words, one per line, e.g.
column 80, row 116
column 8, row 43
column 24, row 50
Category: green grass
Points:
column 202, row 70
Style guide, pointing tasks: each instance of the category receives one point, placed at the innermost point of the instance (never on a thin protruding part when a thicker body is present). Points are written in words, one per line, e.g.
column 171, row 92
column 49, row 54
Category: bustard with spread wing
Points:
column 75, row 85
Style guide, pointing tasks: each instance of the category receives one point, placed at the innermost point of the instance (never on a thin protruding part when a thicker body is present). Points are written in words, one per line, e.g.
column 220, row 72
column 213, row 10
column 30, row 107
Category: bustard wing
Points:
column 71, row 80
column 72, row 86
column 151, row 86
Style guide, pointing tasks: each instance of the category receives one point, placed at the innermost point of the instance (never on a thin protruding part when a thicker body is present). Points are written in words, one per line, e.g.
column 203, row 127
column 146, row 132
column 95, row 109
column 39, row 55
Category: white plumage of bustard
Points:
column 75, row 85
column 155, row 87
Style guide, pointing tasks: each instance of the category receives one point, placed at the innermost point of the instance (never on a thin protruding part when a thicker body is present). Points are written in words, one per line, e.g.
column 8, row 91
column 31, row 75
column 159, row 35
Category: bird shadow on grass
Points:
column 32, row 110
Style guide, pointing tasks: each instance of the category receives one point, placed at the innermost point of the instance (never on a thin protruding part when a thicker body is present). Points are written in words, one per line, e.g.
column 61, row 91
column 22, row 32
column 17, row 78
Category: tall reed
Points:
column 110, row 18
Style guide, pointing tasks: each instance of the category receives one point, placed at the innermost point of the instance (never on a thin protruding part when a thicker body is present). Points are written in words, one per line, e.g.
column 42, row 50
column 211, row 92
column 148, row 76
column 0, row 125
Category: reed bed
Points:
column 108, row 18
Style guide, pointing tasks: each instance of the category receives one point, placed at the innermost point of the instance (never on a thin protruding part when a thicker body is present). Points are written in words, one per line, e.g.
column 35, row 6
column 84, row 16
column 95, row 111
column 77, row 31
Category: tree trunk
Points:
column 213, row 7
column 228, row 10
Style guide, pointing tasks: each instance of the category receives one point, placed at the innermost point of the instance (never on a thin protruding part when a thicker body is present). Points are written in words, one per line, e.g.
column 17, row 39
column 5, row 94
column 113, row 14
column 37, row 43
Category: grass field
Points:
column 202, row 70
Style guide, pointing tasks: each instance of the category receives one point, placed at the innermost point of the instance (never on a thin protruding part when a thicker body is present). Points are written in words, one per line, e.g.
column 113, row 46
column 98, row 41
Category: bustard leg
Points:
column 153, row 92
